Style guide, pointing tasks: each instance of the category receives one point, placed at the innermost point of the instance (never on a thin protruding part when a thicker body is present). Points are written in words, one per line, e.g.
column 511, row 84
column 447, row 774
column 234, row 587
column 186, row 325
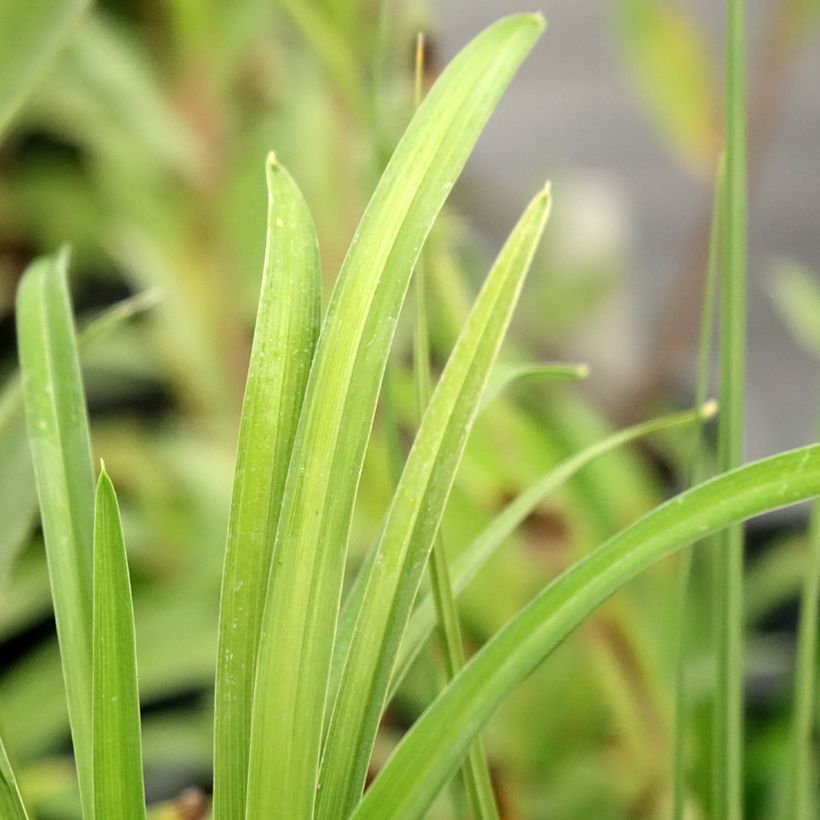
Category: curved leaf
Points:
column 413, row 520
column 287, row 324
column 488, row 541
column 311, row 543
column 434, row 748
column 61, row 450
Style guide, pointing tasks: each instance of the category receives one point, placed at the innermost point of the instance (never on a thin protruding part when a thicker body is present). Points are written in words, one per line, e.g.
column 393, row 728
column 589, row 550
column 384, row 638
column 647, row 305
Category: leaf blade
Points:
column 11, row 803
column 58, row 431
column 284, row 340
column 305, row 587
column 491, row 538
column 118, row 779
column 434, row 747
column 413, row 519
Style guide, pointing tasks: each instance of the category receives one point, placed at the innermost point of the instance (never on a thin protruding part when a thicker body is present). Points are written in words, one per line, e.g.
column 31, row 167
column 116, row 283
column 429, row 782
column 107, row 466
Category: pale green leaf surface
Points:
column 413, row 520
column 287, row 325
column 58, row 433
column 305, row 588
column 118, row 786
column 469, row 562
column 434, row 748
column 11, row 803
column 30, row 35
column 18, row 501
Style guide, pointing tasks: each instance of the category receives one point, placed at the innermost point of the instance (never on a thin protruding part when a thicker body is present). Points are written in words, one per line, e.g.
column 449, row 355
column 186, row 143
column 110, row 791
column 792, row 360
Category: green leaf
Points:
column 413, row 520
column 505, row 376
column 434, row 748
column 801, row 797
column 11, row 803
column 18, row 501
column 311, row 543
column 31, row 33
column 286, row 329
column 727, row 634
column 118, row 788
column 485, row 545
column 58, row 433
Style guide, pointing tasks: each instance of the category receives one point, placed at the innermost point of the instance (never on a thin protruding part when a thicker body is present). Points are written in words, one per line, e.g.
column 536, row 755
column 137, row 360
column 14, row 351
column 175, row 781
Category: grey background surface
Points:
column 573, row 115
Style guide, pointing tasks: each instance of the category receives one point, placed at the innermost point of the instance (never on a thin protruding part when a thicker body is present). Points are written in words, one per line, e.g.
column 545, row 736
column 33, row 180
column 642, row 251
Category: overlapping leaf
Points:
column 286, row 329
column 305, row 586
column 434, row 748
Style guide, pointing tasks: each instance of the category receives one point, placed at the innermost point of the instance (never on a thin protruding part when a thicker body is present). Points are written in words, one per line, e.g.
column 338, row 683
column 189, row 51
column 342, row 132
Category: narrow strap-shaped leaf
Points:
column 18, row 501
column 485, row 545
column 11, row 803
column 413, row 520
column 30, row 35
column 287, row 325
column 728, row 719
column 434, row 748
column 476, row 770
column 61, row 450
column 800, row 801
column 311, row 543
column 118, row 786
column 506, row 375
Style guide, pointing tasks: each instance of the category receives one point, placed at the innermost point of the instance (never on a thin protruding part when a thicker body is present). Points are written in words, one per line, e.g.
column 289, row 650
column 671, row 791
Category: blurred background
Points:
column 142, row 147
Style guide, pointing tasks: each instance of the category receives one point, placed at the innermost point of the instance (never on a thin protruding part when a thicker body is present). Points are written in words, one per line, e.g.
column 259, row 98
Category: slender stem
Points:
column 475, row 772
column 728, row 628
column 697, row 473
column 800, row 800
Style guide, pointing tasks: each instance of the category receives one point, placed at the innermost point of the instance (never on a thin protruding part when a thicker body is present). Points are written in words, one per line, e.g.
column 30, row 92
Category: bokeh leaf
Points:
column 669, row 60
column 31, row 33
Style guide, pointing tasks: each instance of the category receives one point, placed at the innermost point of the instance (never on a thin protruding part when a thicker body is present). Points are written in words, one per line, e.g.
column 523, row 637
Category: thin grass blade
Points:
column 18, row 501
column 11, row 803
column 287, row 325
column 476, row 771
column 118, row 785
column 413, row 519
column 434, row 748
column 505, row 376
column 485, row 545
column 58, row 433
column 801, row 792
column 727, row 757
column 311, row 544
column 697, row 473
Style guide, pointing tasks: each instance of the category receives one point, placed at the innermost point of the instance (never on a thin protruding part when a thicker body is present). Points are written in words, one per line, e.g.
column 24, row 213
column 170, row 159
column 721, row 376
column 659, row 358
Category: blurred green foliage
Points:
column 142, row 144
